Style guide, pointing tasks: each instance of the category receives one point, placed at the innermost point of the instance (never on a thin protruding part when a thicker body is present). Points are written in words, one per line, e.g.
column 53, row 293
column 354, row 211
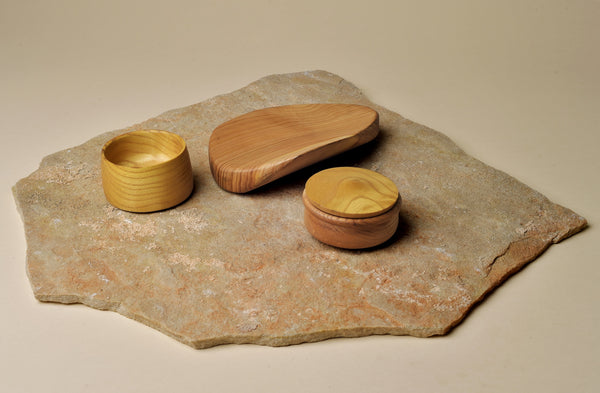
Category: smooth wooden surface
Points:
column 256, row 148
column 351, row 192
column 350, row 233
column 146, row 170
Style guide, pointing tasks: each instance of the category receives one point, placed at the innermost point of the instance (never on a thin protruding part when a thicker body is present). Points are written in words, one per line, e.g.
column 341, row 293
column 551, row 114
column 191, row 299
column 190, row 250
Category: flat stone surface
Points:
column 228, row 268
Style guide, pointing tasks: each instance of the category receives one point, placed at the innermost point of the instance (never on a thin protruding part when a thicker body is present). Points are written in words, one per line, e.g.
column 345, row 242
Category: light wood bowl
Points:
column 147, row 170
column 351, row 208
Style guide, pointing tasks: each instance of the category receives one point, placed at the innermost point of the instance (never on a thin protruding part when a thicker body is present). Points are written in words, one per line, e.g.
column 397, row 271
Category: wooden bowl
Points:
column 351, row 208
column 146, row 171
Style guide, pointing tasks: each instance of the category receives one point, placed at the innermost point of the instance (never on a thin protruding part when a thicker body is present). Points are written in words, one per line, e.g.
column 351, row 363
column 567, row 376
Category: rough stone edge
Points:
column 539, row 242
column 527, row 250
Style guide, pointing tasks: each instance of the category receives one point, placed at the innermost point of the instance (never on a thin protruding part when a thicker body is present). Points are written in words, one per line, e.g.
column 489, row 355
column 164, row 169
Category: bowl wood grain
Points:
column 146, row 171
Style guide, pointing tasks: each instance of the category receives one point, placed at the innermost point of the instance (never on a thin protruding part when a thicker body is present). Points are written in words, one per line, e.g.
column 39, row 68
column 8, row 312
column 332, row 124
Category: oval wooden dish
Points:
column 146, row 171
column 351, row 207
column 256, row 148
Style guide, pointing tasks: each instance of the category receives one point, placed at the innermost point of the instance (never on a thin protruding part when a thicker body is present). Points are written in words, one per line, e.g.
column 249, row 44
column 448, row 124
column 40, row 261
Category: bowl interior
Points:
column 146, row 148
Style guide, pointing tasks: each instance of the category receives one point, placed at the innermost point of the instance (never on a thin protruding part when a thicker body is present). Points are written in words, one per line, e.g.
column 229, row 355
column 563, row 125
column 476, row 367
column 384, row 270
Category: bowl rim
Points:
column 143, row 131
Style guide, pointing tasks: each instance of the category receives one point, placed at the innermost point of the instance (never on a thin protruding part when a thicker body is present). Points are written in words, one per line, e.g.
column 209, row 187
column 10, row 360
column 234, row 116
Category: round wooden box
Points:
column 351, row 208
column 146, row 171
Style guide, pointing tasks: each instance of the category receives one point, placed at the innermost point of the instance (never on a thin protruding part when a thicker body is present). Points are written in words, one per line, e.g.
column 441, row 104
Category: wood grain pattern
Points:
column 350, row 233
column 261, row 146
column 146, row 170
column 351, row 192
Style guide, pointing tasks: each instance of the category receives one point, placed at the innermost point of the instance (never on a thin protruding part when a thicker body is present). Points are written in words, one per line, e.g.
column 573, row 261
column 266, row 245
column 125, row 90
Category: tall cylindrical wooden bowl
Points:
column 147, row 170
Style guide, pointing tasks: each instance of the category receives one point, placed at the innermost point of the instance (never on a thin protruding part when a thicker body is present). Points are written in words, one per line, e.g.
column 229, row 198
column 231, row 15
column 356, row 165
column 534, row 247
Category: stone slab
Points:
column 227, row 268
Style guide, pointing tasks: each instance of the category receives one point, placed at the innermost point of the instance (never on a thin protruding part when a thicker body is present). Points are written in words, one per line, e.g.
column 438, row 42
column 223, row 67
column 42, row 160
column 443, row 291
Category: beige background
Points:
column 515, row 83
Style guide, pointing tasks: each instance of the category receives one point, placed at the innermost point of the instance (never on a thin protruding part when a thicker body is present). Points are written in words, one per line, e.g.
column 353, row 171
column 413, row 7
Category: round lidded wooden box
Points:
column 350, row 207
column 146, row 170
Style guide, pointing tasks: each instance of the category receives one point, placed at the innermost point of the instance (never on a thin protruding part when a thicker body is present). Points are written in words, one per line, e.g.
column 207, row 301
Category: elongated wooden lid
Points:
column 256, row 148
column 351, row 192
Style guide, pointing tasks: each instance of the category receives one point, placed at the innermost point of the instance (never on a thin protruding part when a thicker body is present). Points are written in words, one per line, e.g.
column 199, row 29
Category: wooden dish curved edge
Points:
column 245, row 179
